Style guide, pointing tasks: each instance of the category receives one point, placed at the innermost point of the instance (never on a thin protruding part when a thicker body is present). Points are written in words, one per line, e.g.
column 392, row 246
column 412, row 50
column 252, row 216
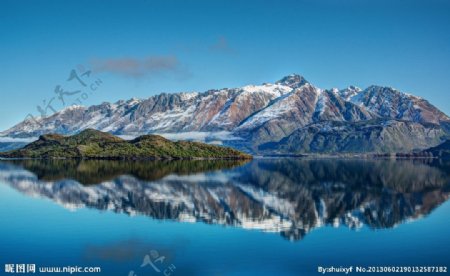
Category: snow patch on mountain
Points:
column 322, row 100
column 349, row 92
column 279, row 106
column 276, row 90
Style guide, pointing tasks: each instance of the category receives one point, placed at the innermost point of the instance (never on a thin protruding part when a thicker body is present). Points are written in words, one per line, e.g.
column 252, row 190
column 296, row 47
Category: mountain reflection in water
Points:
column 287, row 196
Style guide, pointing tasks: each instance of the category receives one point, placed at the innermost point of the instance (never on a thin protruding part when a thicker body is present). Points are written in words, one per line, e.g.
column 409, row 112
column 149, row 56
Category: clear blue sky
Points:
column 141, row 48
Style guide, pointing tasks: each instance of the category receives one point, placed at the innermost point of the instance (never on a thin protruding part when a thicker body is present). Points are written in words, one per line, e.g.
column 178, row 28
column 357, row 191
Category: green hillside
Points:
column 94, row 144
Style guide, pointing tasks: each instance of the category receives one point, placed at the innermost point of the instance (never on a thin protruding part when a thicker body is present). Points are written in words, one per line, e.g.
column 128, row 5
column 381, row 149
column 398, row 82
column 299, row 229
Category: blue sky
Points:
column 141, row 48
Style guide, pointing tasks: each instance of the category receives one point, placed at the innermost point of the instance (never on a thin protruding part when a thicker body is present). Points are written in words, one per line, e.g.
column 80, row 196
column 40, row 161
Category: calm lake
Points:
column 263, row 217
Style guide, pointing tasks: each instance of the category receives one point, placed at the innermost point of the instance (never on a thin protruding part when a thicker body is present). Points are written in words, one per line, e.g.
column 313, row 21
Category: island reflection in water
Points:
column 286, row 196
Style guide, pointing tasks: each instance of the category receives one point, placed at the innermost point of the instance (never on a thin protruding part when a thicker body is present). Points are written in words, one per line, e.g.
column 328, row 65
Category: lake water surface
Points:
column 263, row 217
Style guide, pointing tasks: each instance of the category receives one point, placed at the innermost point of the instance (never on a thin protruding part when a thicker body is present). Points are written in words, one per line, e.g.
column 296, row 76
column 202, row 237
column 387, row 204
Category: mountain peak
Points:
column 349, row 92
column 91, row 134
column 50, row 137
column 293, row 81
column 375, row 87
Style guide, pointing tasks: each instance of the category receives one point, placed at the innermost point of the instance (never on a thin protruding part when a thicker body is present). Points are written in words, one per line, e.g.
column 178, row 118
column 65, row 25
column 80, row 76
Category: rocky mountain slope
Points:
column 289, row 115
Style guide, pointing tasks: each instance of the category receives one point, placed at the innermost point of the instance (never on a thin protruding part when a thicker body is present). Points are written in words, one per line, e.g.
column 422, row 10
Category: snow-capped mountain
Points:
column 263, row 118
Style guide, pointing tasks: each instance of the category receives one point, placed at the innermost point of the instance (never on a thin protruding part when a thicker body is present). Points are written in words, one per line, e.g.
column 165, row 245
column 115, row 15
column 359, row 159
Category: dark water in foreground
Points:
column 264, row 217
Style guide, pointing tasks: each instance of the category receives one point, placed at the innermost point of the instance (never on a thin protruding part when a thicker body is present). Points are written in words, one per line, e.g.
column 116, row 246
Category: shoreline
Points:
column 127, row 159
column 271, row 156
